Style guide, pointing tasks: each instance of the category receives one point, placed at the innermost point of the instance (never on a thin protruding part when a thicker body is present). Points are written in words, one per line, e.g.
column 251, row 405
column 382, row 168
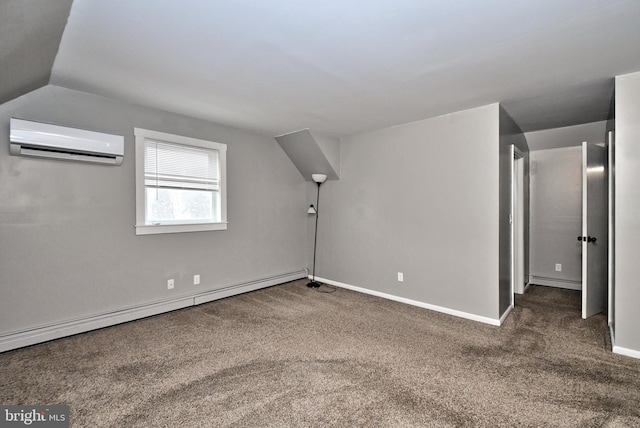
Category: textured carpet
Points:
column 289, row 356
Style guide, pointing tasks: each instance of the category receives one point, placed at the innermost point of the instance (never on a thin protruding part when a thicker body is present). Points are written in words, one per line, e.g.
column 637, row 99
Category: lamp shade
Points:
column 319, row 178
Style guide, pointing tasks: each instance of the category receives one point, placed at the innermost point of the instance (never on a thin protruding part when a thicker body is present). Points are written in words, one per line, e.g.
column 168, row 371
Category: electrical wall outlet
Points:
column 558, row 267
column 196, row 279
column 170, row 284
column 400, row 277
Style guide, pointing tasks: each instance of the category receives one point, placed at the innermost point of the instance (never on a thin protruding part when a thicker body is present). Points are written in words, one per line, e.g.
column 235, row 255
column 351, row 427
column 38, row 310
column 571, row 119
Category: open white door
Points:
column 594, row 229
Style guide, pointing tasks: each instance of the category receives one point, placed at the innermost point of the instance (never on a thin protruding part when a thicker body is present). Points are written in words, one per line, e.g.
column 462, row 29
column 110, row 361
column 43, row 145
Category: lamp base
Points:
column 313, row 284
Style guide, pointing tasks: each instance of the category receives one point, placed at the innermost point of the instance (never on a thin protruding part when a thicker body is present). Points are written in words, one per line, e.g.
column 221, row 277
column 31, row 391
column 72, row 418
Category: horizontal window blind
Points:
column 169, row 165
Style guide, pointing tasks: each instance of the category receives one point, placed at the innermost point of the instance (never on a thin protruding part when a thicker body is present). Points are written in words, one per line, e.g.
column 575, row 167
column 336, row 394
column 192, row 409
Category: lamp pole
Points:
column 319, row 179
column 313, row 282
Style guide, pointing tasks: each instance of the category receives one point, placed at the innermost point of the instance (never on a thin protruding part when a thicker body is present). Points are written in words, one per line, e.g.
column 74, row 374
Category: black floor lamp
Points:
column 319, row 179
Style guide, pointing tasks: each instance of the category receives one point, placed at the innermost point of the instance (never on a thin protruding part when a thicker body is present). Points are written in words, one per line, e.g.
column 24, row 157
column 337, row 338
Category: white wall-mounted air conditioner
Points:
column 59, row 142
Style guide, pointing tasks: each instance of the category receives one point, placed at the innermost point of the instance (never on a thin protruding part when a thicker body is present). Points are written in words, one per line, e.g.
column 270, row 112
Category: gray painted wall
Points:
column 556, row 215
column 69, row 248
column 422, row 199
column 510, row 134
column 627, row 215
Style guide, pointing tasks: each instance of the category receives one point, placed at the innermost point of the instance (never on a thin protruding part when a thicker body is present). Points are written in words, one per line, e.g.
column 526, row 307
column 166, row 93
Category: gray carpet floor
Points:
column 290, row 356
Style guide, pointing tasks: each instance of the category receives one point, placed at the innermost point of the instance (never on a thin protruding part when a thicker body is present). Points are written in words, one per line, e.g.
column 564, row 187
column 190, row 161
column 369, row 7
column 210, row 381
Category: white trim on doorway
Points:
column 517, row 223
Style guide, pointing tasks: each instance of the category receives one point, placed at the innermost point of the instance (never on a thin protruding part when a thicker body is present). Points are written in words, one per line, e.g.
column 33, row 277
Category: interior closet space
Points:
column 555, row 221
column 556, row 217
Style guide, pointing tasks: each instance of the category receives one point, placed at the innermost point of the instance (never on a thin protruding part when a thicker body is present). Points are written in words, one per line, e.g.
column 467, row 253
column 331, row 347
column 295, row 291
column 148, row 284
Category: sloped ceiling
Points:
column 30, row 33
column 567, row 136
column 568, row 105
column 312, row 153
column 341, row 67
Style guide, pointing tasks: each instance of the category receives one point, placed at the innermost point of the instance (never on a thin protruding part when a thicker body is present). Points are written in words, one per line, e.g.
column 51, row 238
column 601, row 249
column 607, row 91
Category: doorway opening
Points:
column 569, row 200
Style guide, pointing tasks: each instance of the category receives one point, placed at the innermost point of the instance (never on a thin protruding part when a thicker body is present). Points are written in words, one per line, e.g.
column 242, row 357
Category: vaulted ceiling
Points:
column 338, row 67
column 30, row 33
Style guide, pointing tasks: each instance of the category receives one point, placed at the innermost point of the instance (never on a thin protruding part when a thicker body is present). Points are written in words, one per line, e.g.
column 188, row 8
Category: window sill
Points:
column 178, row 228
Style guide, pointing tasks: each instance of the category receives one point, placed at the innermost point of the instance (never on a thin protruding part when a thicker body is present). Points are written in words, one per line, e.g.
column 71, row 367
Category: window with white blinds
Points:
column 168, row 165
column 180, row 183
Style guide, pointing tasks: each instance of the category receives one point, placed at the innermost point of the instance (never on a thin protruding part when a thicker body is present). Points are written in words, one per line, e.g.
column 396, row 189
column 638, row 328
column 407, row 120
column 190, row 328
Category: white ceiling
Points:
column 344, row 67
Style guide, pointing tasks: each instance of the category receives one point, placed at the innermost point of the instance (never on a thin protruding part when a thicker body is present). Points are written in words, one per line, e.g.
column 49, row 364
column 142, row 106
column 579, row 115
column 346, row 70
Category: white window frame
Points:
column 142, row 228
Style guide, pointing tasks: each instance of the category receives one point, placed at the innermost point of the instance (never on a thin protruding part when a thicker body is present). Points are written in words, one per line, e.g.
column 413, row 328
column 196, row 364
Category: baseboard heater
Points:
column 554, row 282
column 81, row 325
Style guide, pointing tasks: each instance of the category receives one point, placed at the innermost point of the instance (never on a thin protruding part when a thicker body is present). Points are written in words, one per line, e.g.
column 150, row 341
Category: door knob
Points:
column 582, row 238
column 591, row 239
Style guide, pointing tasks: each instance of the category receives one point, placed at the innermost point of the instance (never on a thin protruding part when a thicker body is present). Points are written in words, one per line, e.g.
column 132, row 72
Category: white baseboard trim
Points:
column 81, row 325
column 419, row 304
column 506, row 314
column 558, row 283
column 626, row 351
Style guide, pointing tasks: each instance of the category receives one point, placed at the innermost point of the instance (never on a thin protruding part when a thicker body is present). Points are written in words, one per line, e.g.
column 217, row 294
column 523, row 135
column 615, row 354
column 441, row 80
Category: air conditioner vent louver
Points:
column 58, row 142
